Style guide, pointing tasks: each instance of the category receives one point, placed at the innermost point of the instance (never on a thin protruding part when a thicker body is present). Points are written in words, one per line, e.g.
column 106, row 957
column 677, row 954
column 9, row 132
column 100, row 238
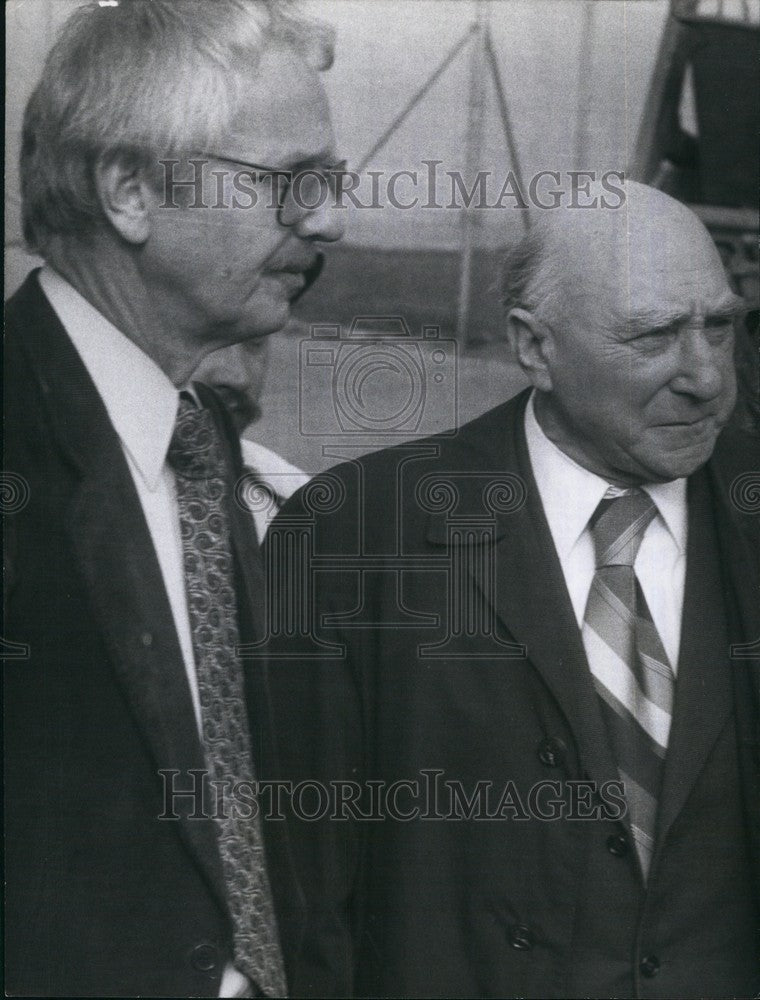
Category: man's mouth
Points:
column 299, row 275
column 688, row 422
column 692, row 429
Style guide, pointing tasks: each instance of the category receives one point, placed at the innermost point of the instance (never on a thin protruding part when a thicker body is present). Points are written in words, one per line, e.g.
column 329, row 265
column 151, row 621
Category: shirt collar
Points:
column 570, row 494
column 140, row 399
column 670, row 499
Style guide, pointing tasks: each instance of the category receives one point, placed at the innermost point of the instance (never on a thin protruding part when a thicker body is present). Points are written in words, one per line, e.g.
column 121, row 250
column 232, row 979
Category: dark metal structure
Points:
column 708, row 63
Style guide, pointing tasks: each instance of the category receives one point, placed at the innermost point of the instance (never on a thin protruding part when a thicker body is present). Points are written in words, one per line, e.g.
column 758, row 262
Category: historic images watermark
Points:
column 367, row 385
column 429, row 796
column 376, row 378
column 15, row 493
column 219, row 182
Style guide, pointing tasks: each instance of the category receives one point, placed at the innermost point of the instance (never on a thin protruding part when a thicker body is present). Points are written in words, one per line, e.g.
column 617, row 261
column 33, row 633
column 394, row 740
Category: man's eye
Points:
column 654, row 340
column 718, row 331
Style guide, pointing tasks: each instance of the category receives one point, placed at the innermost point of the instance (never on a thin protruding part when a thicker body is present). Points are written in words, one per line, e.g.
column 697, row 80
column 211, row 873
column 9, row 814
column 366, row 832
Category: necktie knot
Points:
column 618, row 525
column 195, row 450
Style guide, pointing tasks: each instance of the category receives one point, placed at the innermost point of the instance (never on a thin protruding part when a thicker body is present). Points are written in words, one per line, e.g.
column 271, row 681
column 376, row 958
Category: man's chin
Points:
column 271, row 321
column 263, row 314
column 681, row 462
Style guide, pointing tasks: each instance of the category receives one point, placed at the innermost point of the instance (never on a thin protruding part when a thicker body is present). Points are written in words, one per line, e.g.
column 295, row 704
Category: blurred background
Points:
column 665, row 92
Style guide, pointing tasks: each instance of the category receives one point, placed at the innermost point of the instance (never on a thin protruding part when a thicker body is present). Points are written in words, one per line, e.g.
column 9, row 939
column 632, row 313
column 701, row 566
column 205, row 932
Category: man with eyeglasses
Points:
column 135, row 861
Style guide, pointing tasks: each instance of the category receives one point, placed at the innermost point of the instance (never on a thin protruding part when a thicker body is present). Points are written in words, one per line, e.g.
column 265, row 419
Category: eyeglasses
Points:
column 308, row 184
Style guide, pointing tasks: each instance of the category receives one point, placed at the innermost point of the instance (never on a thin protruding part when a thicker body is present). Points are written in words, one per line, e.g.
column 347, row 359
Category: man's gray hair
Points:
column 142, row 79
column 529, row 274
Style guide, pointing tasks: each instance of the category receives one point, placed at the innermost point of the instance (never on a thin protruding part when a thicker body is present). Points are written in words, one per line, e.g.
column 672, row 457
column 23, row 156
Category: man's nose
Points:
column 701, row 364
column 314, row 212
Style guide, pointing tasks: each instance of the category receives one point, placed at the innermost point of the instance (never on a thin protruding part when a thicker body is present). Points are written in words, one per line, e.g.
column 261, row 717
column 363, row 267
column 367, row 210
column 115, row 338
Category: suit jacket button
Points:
column 650, row 966
column 204, row 957
column 617, row 844
column 551, row 752
column 521, row 937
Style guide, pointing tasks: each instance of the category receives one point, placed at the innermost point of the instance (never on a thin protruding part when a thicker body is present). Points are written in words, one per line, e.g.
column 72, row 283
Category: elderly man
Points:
column 525, row 728
column 157, row 153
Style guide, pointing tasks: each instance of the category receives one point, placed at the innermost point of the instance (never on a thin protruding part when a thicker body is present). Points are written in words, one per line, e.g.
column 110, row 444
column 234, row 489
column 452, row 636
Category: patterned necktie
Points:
column 202, row 484
column 631, row 671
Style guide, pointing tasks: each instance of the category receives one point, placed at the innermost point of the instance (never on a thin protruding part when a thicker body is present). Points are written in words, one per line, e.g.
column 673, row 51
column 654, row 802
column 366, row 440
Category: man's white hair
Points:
column 142, row 79
column 530, row 274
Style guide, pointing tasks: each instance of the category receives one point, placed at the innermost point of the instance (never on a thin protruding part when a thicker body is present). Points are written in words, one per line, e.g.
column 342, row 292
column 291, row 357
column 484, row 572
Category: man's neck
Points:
column 553, row 430
column 110, row 281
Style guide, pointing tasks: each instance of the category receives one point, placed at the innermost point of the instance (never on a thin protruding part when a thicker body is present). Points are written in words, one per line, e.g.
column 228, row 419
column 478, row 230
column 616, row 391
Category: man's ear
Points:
column 124, row 197
column 530, row 341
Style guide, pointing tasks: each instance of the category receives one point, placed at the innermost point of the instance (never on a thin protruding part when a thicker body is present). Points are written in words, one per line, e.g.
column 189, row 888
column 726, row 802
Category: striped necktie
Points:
column 203, row 493
column 630, row 668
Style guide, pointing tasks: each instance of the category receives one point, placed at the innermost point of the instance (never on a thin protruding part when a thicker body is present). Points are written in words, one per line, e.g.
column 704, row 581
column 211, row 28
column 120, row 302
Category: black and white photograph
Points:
column 381, row 499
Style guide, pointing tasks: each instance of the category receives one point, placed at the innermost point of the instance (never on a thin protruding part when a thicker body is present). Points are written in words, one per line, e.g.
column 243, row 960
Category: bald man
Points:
column 526, row 704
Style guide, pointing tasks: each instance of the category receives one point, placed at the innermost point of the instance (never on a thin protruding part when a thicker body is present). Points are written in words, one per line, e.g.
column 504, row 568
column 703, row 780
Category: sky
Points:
column 575, row 76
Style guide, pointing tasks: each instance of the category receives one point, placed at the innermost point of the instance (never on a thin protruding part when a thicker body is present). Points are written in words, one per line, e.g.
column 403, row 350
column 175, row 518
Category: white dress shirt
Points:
column 570, row 494
column 282, row 478
column 142, row 405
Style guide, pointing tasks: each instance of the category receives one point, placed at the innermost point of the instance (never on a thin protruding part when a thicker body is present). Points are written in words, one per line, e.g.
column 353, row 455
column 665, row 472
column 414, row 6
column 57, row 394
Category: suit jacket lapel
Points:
column 703, row 686
column 719, row 559
column 738, row 536
column 109, row 534
column 737, row 525
column 531, row 597
column 529, row 570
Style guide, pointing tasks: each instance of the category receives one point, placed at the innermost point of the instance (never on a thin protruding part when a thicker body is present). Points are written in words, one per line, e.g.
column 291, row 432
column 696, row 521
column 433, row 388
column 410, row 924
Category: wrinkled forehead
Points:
column 650, row 257
column 284, row 116
column 673, row 264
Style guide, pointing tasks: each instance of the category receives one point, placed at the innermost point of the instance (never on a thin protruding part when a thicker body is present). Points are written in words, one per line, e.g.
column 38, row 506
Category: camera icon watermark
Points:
column 377, row 378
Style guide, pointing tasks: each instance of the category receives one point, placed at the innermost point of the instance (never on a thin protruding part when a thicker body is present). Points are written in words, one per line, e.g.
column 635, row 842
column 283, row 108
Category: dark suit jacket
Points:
column 439, row 637
column 103, row 898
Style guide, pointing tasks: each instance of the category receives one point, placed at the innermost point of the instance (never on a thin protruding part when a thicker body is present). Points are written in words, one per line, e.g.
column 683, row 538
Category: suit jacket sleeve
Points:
column 317, row 719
